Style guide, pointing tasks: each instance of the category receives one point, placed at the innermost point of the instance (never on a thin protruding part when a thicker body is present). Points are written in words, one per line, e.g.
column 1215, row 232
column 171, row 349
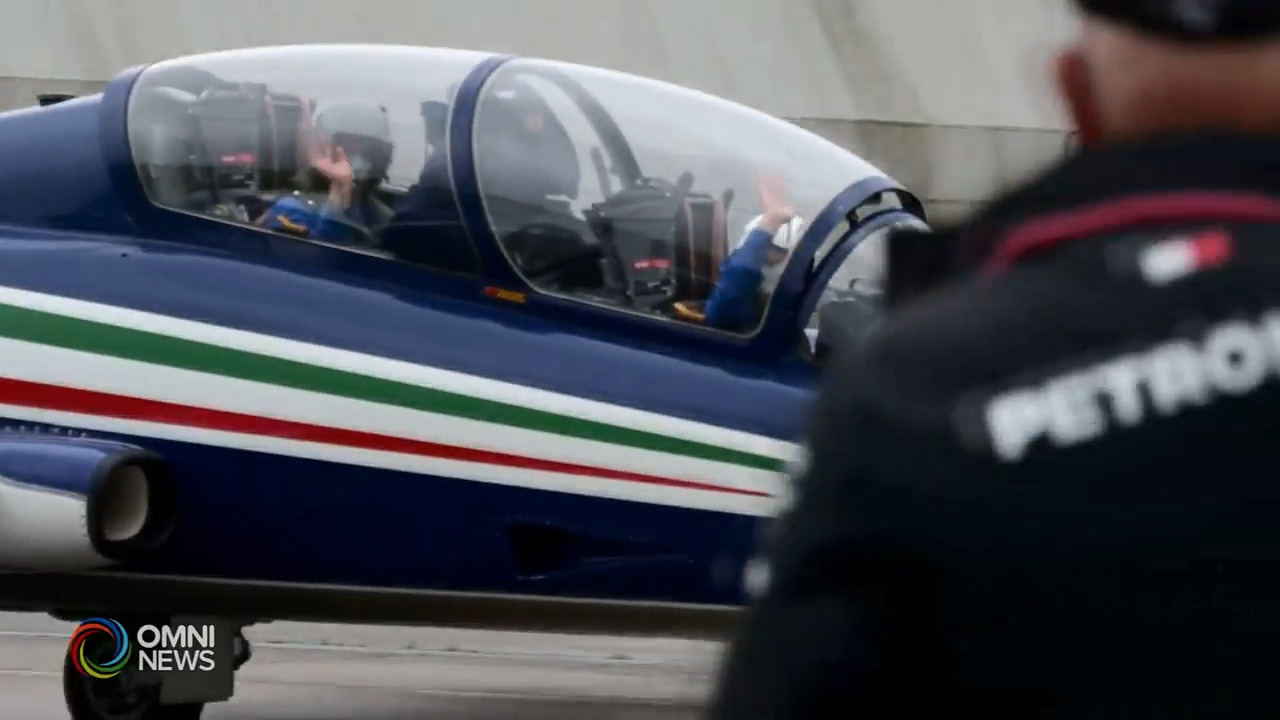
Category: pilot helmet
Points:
column 519, row 109
column 523, row 152
column 363, row 131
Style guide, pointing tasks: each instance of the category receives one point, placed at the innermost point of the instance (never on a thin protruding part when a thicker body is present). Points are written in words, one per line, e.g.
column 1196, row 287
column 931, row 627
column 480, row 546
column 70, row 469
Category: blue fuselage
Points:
column 76, row 224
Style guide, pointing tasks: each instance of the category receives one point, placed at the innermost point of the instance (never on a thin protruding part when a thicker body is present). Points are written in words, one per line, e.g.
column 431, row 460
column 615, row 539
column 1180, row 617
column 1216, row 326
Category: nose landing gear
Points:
column 119, row 699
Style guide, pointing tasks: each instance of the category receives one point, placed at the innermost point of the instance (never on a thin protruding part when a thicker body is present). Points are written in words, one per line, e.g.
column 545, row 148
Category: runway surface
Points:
column 341, row 672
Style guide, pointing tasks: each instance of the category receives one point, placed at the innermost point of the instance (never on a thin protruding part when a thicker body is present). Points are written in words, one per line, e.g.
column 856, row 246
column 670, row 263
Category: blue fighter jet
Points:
column 376, row 333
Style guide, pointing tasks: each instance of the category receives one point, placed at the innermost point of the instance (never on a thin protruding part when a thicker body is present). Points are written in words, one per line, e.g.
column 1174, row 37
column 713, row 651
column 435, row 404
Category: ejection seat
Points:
column 198, row 152
column 162, row 138
column 701, row 245
column 669, row 243
column 236, row 151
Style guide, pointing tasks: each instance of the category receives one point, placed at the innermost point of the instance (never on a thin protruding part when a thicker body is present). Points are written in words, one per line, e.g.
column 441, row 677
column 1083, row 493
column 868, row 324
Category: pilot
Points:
column 751, row 272
column 349, row 147
column 524, row 159
column 527, row 162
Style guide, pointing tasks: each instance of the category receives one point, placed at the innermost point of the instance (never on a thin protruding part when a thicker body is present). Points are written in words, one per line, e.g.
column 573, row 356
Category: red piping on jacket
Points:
column 1126, row 213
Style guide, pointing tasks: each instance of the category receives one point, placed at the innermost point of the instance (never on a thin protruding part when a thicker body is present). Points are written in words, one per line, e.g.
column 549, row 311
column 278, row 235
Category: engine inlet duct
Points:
column 78, row 504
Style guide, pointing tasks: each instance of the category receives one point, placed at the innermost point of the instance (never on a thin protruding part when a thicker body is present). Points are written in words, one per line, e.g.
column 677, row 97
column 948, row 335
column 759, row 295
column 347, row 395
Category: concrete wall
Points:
column 948, row 95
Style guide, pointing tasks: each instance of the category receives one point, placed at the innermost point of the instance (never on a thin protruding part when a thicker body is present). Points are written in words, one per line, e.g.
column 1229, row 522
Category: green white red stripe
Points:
column 111, row 369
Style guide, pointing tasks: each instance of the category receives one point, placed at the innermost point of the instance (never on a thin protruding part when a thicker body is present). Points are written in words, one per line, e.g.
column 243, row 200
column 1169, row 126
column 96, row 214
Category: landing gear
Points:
column 119, row 699
column 148, row 695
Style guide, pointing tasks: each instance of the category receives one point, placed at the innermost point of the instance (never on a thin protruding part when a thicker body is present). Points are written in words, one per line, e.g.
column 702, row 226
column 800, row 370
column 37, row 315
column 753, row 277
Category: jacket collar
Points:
column 1201, row 164
column 1210, row 163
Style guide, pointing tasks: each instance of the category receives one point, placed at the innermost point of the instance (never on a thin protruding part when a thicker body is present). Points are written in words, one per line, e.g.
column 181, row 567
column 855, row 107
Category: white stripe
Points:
column 52, row 365
column 498, row 475
column 399, row 371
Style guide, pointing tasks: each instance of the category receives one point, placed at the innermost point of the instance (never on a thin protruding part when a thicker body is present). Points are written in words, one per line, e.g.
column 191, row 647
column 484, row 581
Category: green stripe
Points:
column 75, row 334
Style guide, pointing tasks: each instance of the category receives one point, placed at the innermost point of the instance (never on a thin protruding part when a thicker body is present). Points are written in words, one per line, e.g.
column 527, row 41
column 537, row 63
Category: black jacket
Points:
column 1050, row 486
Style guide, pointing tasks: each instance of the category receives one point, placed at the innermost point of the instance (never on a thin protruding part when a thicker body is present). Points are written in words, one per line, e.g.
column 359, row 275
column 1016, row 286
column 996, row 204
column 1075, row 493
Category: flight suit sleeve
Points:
column 847, row 624
column 732, row 305
column 298, row 217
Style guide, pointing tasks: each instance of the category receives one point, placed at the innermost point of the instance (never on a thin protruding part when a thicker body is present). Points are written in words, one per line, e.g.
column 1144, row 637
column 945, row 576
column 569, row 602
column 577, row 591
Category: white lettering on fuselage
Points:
column 1232, row 359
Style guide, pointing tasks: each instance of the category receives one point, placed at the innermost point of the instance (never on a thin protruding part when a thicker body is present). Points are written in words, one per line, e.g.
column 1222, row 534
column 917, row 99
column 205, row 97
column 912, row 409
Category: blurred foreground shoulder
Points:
column 847, row 618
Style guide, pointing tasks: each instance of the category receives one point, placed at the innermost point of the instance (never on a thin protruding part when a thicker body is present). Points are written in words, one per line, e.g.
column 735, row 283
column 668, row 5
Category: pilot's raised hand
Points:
column 331, row 161
column 773, row 202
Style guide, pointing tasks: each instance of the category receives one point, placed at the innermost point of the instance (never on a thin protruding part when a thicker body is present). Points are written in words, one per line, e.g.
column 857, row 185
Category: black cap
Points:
column 1193, row 20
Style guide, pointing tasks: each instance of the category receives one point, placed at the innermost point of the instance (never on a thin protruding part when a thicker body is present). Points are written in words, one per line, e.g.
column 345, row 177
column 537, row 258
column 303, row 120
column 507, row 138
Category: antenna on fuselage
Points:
column 47, row 99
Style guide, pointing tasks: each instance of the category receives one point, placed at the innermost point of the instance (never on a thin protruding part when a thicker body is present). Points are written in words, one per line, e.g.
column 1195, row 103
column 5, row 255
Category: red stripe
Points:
column 1128, row 213
column 54, row 397
column 1212, row 248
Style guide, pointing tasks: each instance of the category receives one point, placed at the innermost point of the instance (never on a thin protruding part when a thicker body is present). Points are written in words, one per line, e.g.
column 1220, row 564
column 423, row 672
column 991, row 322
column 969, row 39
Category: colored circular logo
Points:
column 120, row 655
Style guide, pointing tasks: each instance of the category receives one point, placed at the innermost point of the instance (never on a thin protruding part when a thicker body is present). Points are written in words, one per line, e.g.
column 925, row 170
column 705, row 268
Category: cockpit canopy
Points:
column 596, row 185
column 228, row 132
column 610, row 132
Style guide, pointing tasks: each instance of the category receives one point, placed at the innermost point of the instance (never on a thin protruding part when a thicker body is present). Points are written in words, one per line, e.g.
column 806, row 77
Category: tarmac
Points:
column 303, row 671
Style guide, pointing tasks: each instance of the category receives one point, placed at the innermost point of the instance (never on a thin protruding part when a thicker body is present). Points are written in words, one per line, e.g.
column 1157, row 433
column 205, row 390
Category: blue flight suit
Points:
column 319, row 221
column 735, row 302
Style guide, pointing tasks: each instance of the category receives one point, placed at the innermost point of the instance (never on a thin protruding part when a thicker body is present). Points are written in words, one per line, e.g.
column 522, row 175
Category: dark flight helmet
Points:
column 523, row 152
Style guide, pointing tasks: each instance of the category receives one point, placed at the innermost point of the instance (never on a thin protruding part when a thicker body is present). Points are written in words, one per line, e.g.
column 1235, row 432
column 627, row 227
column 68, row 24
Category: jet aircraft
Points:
column 492, row 399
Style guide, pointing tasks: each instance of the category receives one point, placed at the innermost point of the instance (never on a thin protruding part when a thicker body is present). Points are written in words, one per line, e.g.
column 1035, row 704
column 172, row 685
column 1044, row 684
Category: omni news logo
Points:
column 101, row 648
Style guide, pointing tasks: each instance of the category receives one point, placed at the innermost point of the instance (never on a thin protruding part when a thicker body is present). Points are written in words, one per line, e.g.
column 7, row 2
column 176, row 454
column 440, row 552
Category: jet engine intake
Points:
column 77, row 504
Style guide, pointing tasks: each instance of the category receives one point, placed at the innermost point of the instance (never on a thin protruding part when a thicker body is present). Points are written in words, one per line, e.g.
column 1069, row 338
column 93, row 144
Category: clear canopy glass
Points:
column 669, row 130
column 665, row 178
column 229, row 133
column 600, row 186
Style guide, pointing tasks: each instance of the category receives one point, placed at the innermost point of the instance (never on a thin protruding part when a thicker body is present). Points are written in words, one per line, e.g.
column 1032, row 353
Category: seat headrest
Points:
column 160, row 128
column 232, row 123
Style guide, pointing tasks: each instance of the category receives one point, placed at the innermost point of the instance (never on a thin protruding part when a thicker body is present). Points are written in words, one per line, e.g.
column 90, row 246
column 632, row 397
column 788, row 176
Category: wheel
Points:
column 111, row 699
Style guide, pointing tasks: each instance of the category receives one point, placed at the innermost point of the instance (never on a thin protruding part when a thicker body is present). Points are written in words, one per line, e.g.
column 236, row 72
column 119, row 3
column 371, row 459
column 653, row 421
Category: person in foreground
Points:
column 1045, row 488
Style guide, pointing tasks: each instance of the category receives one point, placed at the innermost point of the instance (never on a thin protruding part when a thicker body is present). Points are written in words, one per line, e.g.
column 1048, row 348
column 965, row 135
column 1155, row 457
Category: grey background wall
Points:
column 948, row 95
